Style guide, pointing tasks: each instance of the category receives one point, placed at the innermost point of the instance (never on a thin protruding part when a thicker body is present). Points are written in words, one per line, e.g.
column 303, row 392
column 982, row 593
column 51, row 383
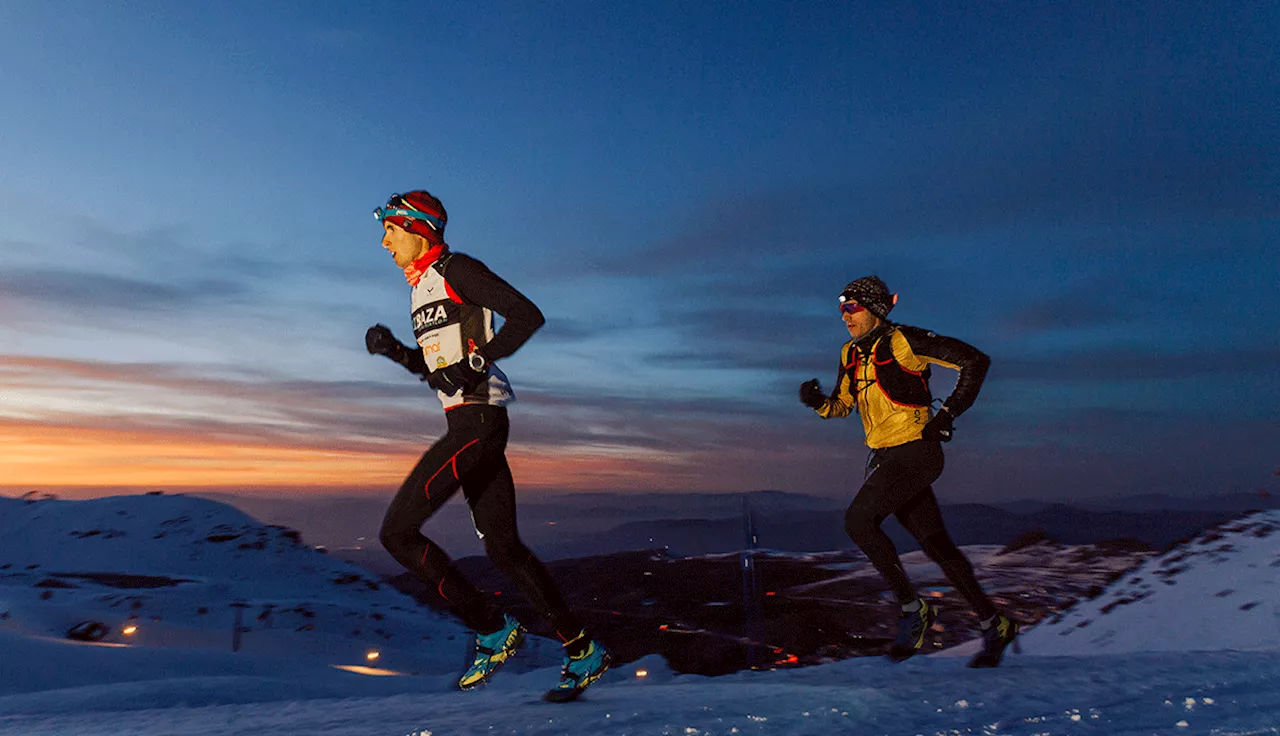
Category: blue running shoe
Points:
column 492, row 651
column 579, row 673
column 911, row 630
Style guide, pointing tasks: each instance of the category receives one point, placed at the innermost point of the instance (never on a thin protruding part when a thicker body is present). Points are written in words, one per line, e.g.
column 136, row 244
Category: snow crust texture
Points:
column 1186, row 643
column 1218, row 591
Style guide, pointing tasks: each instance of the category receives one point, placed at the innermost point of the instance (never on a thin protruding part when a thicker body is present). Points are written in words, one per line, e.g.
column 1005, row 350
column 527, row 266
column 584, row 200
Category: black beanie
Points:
column 870, row 292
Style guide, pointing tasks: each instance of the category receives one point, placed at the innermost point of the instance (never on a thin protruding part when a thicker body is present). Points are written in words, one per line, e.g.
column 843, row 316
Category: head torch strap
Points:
column 382, row 213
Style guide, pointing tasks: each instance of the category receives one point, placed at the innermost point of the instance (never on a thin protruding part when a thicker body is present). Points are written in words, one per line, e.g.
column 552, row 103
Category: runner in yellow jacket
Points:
column 884, row 377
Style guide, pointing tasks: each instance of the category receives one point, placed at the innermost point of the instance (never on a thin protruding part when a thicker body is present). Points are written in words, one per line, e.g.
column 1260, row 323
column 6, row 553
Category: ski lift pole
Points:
column 750, row 591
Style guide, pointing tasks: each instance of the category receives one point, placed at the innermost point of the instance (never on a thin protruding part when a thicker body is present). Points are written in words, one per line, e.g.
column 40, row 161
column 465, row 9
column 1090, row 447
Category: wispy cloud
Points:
column 88, row 293
column 151, row 423
column 1110, row 366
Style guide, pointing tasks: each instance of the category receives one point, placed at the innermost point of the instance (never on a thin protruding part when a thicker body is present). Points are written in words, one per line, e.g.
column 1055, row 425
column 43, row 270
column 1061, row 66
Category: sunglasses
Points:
column 397, row 207
column 851, row 307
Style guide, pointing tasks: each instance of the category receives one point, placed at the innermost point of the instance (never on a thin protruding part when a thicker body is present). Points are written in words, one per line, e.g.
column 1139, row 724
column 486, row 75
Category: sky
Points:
column 1089, row 195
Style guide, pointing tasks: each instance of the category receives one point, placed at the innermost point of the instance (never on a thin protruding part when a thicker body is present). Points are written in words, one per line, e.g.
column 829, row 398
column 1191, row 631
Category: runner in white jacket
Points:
column 453, row 302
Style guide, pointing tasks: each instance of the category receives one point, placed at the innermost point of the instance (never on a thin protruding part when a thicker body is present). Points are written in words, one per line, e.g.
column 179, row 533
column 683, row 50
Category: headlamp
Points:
column 395, row 208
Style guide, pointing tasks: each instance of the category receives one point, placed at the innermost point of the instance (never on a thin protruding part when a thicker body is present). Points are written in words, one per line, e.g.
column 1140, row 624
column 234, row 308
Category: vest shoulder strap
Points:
column 441, row 263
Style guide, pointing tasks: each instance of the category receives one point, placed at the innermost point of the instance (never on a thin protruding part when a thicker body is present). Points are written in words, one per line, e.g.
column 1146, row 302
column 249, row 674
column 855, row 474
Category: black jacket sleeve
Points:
column 476, row 284
column 843, row 399
column 951, row 353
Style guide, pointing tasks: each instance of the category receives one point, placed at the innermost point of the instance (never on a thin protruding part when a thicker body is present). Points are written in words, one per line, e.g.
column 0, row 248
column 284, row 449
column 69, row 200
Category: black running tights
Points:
column 901, row 484
column 471, row 456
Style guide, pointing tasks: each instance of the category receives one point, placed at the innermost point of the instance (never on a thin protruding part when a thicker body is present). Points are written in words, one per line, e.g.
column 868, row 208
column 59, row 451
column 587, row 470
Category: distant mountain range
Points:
column 564, row 525
column 1234, row 503
column 816, row 531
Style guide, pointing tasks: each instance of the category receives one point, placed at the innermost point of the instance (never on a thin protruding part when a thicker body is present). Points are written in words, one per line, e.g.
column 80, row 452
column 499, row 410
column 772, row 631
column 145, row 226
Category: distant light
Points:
column 360, row 669
column 129, row 630
column 642, row 673
column 551, row 523
column 372, row 655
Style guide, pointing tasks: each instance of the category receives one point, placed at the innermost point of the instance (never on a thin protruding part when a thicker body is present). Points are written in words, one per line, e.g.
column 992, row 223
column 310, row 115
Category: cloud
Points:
column 1095, row 303
column 149, row 425
column 84, row 292
column 1093, row 145
column 204, row 399
column 569, row 329
column 154, row 424
column 169, row 269
column 771, row 337
column 1111, row 366
column 258, row 409
column 1108, row 452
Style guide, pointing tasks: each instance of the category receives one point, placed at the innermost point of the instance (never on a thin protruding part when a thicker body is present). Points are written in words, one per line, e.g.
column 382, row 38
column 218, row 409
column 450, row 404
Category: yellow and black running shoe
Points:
column 579, row 673
column 911, row 630
column 994, row 640
column 492, row 651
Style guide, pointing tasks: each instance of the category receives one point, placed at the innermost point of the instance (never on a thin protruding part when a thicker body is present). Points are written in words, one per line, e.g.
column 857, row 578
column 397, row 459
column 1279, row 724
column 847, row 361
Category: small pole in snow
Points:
column 238, row 626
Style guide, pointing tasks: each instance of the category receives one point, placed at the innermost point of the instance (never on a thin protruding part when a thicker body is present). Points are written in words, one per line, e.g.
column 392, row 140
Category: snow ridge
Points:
column 1217, row 591
column 183, row 570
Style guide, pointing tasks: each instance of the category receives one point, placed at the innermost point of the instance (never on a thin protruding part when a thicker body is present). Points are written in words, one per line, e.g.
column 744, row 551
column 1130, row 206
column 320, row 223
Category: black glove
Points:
column 939, row 428
column 378, row 340
column 811, row 394
column 457, row 377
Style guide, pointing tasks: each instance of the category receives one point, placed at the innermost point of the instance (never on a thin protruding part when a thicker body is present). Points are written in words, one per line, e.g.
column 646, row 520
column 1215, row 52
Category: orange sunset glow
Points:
column 71, row 424
column 36, row 456
column 46, row 456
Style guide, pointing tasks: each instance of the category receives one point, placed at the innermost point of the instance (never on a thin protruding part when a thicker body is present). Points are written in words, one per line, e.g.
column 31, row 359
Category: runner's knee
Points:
column 396, row 538
column 506, row 551
column 860, row 522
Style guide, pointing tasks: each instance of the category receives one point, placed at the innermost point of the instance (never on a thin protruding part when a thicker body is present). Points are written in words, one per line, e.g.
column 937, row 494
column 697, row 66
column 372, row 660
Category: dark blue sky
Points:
column 1090, row 195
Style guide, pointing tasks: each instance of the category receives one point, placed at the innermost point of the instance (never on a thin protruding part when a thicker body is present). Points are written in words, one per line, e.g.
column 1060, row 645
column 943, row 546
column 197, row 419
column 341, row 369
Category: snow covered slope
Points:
column 50, row 685
column 180, row 569
column 1218, row 591
column 187, row 539
column 1223, row 693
